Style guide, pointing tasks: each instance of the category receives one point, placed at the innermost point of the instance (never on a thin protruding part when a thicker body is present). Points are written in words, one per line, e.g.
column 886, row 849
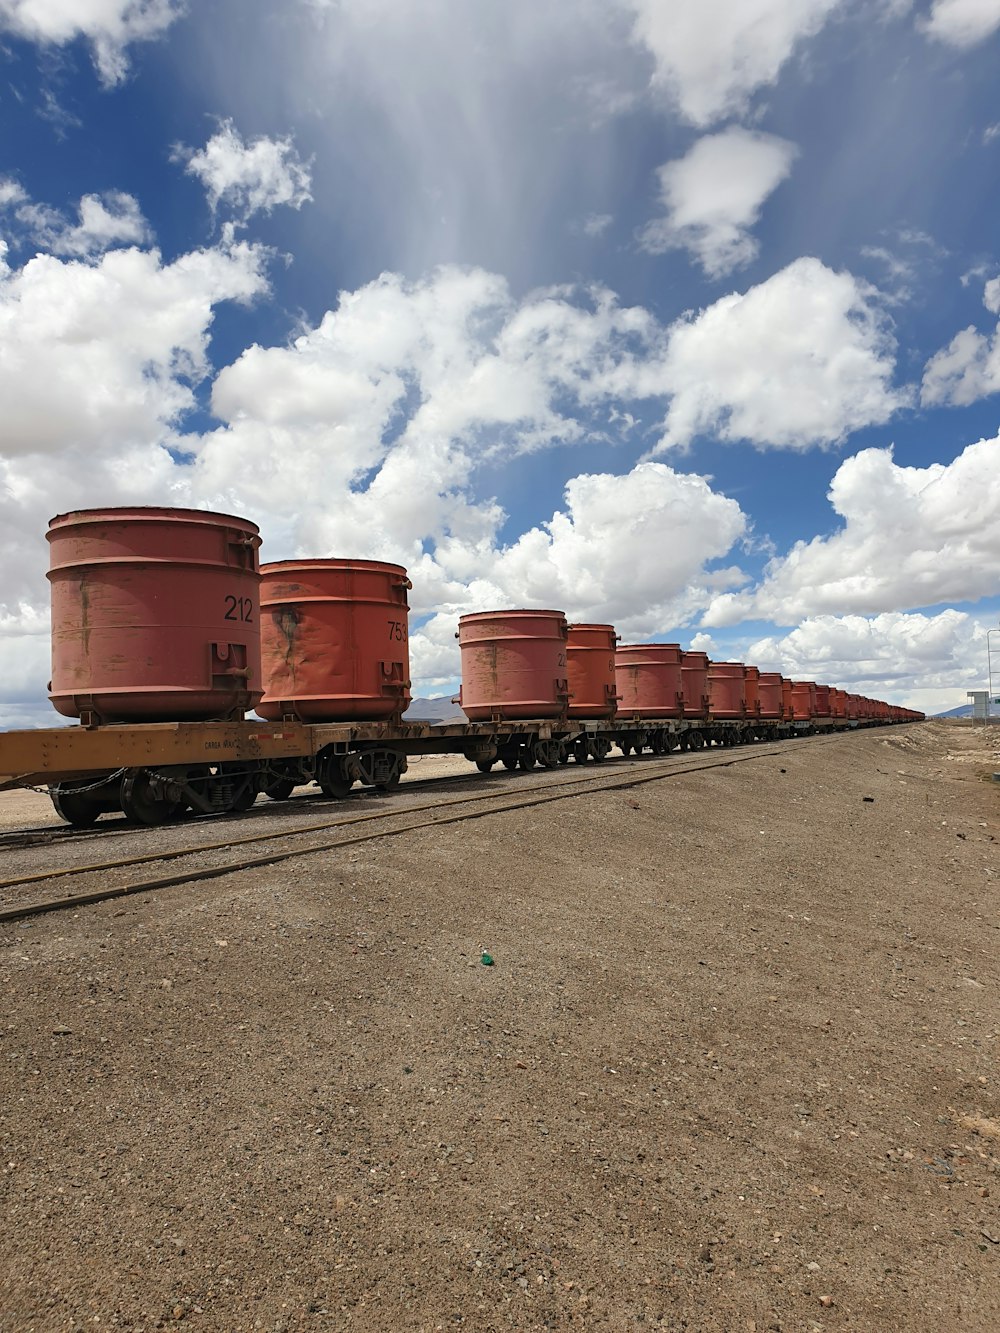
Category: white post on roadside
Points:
column 989, row 669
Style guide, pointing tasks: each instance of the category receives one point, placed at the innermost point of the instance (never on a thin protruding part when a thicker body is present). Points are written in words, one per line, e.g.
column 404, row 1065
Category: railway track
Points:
column 231, row 856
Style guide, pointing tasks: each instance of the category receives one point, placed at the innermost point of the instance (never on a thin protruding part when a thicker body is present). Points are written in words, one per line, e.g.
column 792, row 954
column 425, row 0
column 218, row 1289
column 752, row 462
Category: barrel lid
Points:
column 329, row 562
column 163, row 513
column 638, row 647
column 511, row 611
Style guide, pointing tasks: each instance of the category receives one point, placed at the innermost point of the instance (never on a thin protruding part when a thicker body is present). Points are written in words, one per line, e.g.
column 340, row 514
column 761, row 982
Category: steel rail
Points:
column 550, row 792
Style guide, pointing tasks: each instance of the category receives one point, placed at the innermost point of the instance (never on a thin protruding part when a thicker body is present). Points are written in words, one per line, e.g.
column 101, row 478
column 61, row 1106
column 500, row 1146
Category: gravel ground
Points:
column 733, row 1068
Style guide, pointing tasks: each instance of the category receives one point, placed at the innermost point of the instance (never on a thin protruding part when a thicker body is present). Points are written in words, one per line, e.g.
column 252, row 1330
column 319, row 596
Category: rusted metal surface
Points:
column 590, row 664
column 334, row 640
column 726, row 691
column 786, row 698
column 822, row 701
column 155, row 615
column 57, row 753
column 30, row 758
column 769, row 695
column 649, row 679
column 803, row 700
column 751, row 690
column 514, row 664
column 694, row 683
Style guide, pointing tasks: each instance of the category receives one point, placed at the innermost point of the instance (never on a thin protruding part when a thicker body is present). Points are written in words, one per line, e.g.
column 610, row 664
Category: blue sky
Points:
column 679, row 316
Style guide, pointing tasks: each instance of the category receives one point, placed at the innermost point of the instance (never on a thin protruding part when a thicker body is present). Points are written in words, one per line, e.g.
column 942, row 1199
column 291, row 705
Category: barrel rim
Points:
column 587, row 624
column 166, row 513
column 511, row 611
column 632, row 647
column 330, row 562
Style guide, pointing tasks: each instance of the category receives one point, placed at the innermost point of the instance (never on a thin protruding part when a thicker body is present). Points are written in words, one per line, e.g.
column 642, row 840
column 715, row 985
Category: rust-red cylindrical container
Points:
column 334, row 640
column 823, row 703
column 769, row 695
column 853, row 706
column 751, row 690
column 838, row 703
column 590, row 666
column 155, row 615
column 694, row 683
column 514, row 664
column 649, row 680
column 726, row 693
column 803, row 700
column 786, row 699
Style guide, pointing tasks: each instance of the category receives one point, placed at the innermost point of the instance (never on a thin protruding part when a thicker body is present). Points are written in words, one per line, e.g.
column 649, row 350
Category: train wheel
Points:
column 73, row 807
column 142, row 805
column 245, row 798
column 545, row 753
column 335, row 788
column 485, row 765
column 510, row 762
column 526, row 759
column 391, row 783
column 279, row 789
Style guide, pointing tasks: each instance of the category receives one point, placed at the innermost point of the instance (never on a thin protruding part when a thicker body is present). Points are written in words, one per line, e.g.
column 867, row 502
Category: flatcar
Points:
column 167, row 633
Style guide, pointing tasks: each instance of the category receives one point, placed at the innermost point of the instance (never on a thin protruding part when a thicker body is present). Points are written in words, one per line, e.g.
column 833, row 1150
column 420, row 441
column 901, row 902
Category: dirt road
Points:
column 734, row 1067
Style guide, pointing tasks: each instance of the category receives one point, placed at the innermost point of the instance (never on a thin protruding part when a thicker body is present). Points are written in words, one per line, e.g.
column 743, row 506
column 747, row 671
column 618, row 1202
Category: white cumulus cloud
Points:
column 110, row 26
column 401, row 390
column 924, row 661
column 628, row 549
column 248, row 177
column 714, row 195
column 910, row 537
column 105, row 221
column 11, row 192
column 969, row 367
column 98, row 362
column 800, row 360
column 711, row 57
column 122, row 338
column 962, row 23
column 369, row 435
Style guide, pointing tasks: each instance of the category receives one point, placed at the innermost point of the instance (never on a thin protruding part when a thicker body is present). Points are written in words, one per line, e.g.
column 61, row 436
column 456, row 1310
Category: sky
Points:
column 683, row 316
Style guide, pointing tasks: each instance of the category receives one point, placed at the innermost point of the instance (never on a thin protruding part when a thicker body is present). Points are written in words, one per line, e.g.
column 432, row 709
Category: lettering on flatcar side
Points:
column 397, row 630
column 562, row 659
column 239, row 608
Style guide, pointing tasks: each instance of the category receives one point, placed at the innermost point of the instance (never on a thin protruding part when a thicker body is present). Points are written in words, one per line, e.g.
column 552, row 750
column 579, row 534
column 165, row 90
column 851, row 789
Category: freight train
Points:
column 167, row 632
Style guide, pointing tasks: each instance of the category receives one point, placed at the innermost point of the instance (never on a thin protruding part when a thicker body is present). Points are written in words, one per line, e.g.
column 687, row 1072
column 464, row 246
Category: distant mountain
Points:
column 438, row 709
column 963, row 710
